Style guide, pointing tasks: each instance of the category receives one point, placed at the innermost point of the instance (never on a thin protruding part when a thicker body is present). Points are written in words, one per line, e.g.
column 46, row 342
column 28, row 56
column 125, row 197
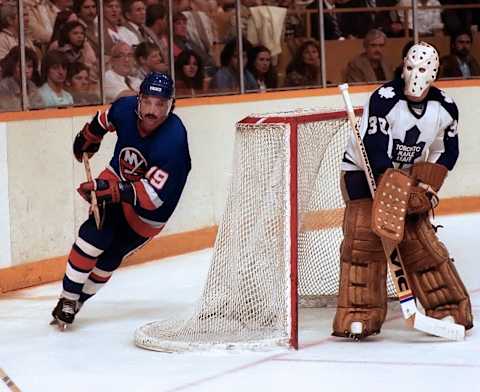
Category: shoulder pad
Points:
column 436, row 94
column 385, row 98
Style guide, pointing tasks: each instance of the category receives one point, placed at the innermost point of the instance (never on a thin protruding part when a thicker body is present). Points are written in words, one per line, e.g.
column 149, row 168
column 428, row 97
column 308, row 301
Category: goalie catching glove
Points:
column 107, row 191
column 428, row 178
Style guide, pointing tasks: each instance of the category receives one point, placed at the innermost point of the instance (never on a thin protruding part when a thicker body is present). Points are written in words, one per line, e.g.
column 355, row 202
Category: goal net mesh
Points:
column 282, row 163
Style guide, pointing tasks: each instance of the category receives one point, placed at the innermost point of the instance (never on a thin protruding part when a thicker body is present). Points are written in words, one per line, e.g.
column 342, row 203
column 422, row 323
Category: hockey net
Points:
column 278, row 241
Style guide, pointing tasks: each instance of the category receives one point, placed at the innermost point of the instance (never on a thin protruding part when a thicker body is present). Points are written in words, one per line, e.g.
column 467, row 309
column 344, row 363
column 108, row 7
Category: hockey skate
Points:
column 64, row 313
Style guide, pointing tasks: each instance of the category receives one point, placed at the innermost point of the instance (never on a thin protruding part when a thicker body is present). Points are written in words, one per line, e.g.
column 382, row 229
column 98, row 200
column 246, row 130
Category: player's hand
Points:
column 105, row 190
column 86, row 141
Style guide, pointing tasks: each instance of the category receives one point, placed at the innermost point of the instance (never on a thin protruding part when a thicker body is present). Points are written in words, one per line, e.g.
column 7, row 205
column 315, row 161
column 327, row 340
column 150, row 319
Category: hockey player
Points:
column 407, row 124
column 138, row 191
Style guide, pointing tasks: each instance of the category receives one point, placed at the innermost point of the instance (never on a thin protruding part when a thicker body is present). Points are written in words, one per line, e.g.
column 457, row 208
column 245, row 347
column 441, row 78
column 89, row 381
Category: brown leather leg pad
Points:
column 432, row 275
column 363, row 269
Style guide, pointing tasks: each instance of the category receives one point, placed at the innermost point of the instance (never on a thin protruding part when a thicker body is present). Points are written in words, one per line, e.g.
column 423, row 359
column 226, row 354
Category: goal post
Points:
column 278, row 241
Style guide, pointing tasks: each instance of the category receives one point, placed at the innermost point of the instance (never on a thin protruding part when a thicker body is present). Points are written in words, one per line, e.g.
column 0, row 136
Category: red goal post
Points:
column 278, row 241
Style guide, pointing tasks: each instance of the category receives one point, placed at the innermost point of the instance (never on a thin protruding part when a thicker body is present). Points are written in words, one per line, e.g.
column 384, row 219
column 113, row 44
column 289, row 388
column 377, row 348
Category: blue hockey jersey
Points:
column 156, row 165
column 398, row 133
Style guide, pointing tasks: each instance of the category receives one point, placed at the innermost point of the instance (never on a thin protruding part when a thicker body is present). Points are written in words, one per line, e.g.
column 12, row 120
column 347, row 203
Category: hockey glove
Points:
column 422, row 199
column 107, row 191
column 86, row 141
column 429, row 178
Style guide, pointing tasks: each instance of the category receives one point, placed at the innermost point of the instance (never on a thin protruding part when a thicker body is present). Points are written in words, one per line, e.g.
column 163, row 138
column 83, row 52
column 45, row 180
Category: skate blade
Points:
column 60, row 324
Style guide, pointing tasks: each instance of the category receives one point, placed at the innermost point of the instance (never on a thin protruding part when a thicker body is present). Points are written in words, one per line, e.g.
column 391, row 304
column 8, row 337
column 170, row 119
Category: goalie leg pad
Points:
column 432, row 275
column 363, row 268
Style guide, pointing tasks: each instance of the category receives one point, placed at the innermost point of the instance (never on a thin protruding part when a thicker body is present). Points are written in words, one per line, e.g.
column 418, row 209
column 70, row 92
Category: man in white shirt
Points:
column 118, row 81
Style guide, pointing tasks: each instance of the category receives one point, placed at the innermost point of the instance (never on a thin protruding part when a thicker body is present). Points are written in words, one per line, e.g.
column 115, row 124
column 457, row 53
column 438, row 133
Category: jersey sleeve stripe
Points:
column 146, row 196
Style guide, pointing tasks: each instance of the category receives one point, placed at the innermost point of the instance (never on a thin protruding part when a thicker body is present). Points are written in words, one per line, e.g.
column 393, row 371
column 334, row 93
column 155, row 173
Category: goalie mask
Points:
column 420, row 69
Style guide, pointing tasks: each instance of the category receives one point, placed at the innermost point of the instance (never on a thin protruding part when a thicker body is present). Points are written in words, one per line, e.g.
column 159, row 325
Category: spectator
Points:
column 78, row 83
column 114, row 31
column 72, row 41
column 260, row 66
column 227, row 77
column 369, row 66
column 86, row 10
column 118, row 81
column 54, row 73
column 10, row 85
column 459, row 63
column 156, row 21
column 149, row 59
column 9, row 32
column 42, row 17
column 134, row 12
column 189, row 75
column 429, row 21
column 182, row 42
column 304, row 69
column 61, row 19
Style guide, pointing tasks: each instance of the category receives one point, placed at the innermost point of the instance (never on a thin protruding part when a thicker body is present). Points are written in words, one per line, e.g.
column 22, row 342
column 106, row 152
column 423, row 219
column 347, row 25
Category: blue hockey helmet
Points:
column 157, row 84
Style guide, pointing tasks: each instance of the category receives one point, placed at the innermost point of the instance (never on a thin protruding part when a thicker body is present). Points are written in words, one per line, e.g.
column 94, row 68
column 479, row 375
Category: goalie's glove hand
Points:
column 108, row 191
column 86, row 141
column 422, row 199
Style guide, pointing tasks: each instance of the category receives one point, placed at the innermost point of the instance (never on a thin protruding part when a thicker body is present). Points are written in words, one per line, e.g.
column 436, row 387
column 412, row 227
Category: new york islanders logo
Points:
column 132, row 164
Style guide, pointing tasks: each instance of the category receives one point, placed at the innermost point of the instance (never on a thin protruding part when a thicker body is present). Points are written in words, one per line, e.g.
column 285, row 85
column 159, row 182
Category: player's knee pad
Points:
column 363, row 268
column 432, row 275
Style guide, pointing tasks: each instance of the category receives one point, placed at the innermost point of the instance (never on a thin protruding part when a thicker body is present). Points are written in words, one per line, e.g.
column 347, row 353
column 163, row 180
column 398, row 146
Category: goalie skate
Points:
column 64, row 313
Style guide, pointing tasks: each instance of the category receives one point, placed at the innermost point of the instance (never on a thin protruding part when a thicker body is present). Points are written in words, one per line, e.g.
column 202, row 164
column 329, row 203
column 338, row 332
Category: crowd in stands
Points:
column 280, row 45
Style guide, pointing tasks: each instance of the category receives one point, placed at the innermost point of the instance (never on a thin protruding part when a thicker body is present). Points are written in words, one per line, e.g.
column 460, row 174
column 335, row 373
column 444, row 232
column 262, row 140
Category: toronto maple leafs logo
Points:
column 132, row 164
column 446, row 98
column 386, row 92
column 406, row 151
column 453, row 129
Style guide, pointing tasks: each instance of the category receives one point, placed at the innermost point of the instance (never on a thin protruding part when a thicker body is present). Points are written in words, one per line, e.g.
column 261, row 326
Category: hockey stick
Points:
column 407, row 300
column 94, row 204
column 8, row 381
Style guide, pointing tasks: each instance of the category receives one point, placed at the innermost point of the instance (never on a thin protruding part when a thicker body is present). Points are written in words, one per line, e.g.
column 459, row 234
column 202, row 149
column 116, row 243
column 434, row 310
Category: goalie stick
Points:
column 413, row 318
column 94, row 204
column 8, row 381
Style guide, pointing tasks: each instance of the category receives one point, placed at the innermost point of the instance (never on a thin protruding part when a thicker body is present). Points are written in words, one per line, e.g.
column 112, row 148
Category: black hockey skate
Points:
column 64, row 313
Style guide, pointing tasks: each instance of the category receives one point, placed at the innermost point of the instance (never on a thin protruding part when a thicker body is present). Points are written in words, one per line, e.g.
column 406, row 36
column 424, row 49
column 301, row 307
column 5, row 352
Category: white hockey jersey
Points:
column 396, row 135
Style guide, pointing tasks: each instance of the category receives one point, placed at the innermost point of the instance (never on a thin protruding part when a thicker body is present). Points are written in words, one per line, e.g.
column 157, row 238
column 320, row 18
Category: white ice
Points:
column 98, row 353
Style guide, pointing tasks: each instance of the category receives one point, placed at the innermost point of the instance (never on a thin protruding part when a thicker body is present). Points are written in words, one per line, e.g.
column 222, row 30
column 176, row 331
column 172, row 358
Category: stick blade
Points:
column 444, row 329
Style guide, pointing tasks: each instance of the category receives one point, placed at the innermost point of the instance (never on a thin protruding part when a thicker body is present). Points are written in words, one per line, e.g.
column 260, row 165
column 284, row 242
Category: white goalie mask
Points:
column 420, row 69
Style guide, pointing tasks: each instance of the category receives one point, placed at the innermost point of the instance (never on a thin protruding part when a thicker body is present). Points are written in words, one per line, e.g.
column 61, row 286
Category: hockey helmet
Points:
column 157, row 84
column 420, row 69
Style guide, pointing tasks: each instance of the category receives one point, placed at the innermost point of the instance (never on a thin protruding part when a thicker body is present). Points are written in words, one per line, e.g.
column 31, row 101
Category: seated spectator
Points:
column 114, row 31
column 304, row 69
column 9, row 33
column 227, row 77
column 189, row 75
column 86, row 10
column 260, row 66
column 61, row 19
column 459, row 63
column 42, row 14
column 73, row 42
column 135, row 13
column 118, row 81
column 156, row 21
column 54, row 74
column 10, row 85
column 369, row 66
column 182, row 42
column 79, row 84
column 149, row 59
column 428, row 21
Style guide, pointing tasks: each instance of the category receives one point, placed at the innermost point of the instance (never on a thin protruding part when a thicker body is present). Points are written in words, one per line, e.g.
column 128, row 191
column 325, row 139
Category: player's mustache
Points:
column 150, row 116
